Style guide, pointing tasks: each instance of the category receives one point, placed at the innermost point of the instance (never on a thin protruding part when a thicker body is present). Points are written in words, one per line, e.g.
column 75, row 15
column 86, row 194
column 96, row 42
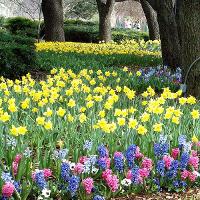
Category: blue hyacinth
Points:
column 17, row 186
column 160, row 167
column 184, row 160
column 98, row 197
column 65, row 171
column 73, row 185
column 161, row 149
column 130, row 155
column 119, row 163
column 87, row 145
column 172, row 173
column 40, row 179
column 135, row 175
column 103, row 152
column 101, row 162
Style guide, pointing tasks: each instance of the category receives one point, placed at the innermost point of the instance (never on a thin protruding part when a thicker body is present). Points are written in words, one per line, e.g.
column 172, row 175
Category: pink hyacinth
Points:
column 175, row 152
column 138, row 154
column 194, row 153
column 144, row 173
column 147, row 163
column 18, row 157
column 198, row 144
column 47, row 173
column 8, row 190
column 118, row 154
column 15, row 167
column 167, row 160
column 106, row 173
column 15, row 163
column 192, row 176
column 88, row 184
column 83, row 159
column 184, row 174
column 112, row 182
column 79, row 167
column 194, row 161
column 129, row 174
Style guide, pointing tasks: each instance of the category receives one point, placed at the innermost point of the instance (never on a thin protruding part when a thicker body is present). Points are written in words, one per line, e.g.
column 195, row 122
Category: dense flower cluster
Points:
column 173, row 169
column 131, row 47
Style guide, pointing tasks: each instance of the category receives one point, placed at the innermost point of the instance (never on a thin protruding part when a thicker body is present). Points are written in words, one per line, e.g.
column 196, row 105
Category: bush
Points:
column 22, row 26
column 17, row 55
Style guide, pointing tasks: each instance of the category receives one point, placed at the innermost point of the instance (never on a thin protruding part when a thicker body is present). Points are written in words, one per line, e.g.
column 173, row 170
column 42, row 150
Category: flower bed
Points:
column 53, row 129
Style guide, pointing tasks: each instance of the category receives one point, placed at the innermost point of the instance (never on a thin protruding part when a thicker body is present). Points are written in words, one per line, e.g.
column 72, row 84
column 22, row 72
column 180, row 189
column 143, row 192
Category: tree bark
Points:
column 105, row 8
column 168, row 32
column 53, row 20
column 189, row 20
column 152, row 21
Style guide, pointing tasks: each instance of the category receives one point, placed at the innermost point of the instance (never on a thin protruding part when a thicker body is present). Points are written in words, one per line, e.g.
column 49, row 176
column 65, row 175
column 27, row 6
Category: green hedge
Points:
column 17, row 55
column 21, row 26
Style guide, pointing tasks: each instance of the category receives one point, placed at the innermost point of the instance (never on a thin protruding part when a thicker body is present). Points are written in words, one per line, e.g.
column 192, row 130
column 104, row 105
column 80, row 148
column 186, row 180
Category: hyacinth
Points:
column 119, row 161
column 161, row 149
column 87, row 145
column 135, row 176
column 173, row 170
column 103, row 163
column 147, row 163
column 40, row 179
column 103, row 152
column 112, row 182
column 130, row 155
column 138, row 154
column 168, row 160
column 98, row 197
column 8, row 190
column 184, row 160
column 79, row 168
column 144, row 172
column 17, row 186
column 73, row 185
column 65, row 171
column 192, row 176
column 184, row 174
column 194, row 162
column 106, row 173
column 181, row 141
column 6, row 177
column 88, row 185
column 175, row 153
column 160, row 167
column 47, row 173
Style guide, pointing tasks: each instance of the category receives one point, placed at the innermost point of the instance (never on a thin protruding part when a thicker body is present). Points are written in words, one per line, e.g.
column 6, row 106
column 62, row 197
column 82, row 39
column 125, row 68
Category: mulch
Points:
column 192, row 194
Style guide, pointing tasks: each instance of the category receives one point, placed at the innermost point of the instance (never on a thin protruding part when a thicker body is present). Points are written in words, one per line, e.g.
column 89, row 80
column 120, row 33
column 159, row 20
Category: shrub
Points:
column 22, row 26
column 17, row 55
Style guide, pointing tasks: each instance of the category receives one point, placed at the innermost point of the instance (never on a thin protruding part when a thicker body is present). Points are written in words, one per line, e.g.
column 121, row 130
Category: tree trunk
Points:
column 168, row 34
column 53, row 20
column 189, row 20
column 105, row 8
column 152, row 21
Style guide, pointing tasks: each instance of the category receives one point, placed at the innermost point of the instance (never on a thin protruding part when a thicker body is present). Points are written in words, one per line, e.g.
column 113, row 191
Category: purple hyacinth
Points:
column 160, row 167
column 130, row 155
column 40, row 179
column 184, row 160
column 73, row 185
column 103, row 152
column 65, row 171
column 119, row 161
